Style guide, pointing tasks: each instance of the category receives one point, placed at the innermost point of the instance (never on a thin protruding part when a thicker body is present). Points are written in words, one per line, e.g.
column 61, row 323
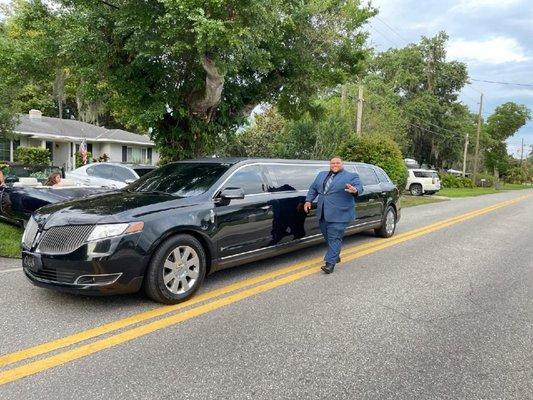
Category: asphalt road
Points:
column 442, row 313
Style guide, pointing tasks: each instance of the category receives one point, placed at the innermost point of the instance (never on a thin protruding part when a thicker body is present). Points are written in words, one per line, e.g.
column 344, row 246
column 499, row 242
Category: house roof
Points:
column 72, row 130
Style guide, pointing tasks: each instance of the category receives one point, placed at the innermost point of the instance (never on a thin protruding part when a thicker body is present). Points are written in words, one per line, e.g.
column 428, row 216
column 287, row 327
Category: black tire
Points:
column 154, row 285
column 384, row 231
column 416, row 189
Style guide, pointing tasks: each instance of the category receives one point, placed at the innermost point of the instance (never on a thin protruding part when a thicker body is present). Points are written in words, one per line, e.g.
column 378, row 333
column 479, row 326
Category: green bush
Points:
column 466, row 183
column 379, row 150
column 449, row 181
column 489, row 180
column 32, row 156
column 517, row 174
column 452, row 181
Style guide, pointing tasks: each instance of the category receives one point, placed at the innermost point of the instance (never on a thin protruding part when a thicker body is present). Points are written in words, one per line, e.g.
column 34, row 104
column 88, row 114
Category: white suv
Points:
column 422, row 181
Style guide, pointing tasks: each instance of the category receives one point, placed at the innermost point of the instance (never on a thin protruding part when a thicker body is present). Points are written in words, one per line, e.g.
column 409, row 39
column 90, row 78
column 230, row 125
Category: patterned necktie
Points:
column 328, row 183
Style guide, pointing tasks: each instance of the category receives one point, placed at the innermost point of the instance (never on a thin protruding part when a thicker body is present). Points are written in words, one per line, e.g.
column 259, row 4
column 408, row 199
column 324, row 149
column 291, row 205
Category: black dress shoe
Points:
column 328, row 268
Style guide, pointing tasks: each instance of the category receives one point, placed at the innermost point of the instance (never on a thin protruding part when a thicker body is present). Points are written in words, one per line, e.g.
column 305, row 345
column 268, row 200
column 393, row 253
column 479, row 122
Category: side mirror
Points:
column 232, row 194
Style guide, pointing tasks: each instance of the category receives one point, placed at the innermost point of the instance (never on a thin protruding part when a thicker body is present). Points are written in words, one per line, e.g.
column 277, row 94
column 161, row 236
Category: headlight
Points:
column 110, row 230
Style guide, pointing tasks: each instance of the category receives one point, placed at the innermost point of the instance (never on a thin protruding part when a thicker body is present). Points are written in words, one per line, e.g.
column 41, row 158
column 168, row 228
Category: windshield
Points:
column 180, row 179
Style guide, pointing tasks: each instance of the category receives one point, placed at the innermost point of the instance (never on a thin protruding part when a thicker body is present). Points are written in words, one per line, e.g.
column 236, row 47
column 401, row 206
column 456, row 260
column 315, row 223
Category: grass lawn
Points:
column 478, row 191
column 10, row 237
column 410, row 201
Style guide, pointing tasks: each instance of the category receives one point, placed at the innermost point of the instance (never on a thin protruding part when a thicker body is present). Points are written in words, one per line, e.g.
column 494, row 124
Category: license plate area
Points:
column 31, row 261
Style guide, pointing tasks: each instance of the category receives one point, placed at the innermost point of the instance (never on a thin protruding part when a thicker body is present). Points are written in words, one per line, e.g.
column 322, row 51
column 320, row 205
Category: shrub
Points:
column 466, row 183
column 32, row 156
column 449, row 181
column 489, row 180
column 379, row 150
column 452, row 181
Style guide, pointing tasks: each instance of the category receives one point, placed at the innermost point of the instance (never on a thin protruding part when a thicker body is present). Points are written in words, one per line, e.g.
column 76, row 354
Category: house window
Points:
column 137, row 155
column 5, row 148
column 5, row 152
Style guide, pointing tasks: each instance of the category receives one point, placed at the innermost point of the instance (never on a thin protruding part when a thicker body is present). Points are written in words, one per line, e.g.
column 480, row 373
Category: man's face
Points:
column 335, row 165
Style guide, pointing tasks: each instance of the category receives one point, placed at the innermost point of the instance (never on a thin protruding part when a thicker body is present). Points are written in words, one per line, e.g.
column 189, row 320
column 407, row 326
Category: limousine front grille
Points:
column 64, row 239
column 61, row 275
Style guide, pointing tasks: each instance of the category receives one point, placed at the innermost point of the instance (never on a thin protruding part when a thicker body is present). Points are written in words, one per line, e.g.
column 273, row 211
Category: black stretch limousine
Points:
column 176, row 224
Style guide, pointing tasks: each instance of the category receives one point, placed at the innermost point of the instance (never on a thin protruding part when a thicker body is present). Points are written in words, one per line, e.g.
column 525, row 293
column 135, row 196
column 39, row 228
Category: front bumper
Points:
column 120, row 270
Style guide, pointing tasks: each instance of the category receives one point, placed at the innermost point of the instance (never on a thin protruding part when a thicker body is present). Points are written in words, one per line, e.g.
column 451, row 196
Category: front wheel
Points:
column 388, row 225
column 176, row 270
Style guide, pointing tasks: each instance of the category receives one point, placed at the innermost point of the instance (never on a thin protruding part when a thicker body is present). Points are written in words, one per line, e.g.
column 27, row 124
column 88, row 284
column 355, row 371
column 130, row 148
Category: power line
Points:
column 503, row 83
column 391, row 28
column 385, row 36
column 425, row 122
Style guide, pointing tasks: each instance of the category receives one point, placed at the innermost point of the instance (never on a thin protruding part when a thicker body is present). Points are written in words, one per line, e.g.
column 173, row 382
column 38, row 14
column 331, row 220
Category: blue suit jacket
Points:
column 337, row 205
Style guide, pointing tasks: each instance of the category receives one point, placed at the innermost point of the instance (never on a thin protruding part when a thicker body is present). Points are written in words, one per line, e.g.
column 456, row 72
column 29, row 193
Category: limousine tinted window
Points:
column 367, row 175
column 383, row 178
column 180, row 179
column 293, row 177
column 249, row 179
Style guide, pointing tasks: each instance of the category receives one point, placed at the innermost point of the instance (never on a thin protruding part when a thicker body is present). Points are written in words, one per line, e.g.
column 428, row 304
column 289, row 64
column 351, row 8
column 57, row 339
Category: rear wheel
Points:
column 416, row 189
column 388, row 225
column 176, row 270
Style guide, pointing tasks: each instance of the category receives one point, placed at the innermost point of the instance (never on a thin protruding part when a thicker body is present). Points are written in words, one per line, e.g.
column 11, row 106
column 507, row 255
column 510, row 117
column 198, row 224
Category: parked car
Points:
column 104, row 174
column 20, row 199
column 422, row 181
column 184, row 220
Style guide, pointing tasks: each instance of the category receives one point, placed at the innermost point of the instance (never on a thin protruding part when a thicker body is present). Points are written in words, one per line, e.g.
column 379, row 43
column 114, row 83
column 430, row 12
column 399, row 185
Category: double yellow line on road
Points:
column 203, row 303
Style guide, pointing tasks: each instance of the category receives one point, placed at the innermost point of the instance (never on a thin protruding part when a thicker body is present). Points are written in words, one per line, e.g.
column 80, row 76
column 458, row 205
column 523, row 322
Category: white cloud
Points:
column 497, row 50
column 469, row 5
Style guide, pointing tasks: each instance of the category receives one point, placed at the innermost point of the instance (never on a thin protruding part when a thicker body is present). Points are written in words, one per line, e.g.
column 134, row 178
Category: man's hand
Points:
column 307, row 206
column 351, row 189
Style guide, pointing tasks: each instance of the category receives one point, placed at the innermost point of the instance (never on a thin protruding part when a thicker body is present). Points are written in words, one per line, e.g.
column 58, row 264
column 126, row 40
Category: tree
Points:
column 427, row 86
column 192, row 71
column 503, row 123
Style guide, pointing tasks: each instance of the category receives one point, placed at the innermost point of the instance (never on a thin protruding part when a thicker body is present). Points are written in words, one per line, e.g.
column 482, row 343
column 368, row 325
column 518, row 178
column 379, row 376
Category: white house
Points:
column 63, row 137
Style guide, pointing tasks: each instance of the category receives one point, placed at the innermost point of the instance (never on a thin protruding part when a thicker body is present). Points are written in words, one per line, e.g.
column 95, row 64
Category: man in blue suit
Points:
column 336, row 190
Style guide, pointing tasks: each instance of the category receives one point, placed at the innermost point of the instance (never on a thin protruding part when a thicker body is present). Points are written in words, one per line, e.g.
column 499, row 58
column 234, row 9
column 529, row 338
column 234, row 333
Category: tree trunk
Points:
column 203, row 103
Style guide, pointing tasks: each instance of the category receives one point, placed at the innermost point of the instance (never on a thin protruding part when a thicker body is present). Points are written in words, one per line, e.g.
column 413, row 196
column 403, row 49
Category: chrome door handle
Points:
column 266, row 208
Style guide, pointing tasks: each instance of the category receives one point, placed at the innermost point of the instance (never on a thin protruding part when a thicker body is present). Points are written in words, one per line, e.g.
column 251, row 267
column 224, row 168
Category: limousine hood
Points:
column 121, row 206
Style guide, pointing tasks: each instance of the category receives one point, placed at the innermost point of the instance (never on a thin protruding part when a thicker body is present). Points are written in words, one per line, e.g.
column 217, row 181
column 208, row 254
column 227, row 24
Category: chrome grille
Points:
column 29, row 233
column 64, row 239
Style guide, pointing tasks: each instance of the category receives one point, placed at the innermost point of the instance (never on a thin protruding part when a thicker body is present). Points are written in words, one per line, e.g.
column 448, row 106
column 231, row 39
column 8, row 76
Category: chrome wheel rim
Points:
column 417, row 190
column 390, row 222
column 181, row 269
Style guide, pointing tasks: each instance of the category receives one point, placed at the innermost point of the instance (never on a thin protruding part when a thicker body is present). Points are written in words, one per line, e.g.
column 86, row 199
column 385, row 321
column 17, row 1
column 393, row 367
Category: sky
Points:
column 493, row 37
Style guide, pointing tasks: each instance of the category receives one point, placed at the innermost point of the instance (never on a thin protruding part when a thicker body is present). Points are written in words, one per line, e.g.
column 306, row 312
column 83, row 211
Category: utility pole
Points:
column 359, row 110
column 464, row 156
column 522, row 153
column 476, row 156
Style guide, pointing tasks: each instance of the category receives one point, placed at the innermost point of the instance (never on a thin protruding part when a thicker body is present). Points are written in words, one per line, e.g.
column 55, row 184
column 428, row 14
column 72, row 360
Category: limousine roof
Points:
column 249, row 160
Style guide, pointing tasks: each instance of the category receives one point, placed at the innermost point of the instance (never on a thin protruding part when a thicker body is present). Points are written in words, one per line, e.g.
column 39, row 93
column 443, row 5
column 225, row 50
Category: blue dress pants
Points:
column 333, row 233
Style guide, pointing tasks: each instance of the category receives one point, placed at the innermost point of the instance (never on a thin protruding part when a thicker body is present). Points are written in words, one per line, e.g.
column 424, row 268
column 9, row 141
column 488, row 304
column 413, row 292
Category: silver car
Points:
column 109, row 175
